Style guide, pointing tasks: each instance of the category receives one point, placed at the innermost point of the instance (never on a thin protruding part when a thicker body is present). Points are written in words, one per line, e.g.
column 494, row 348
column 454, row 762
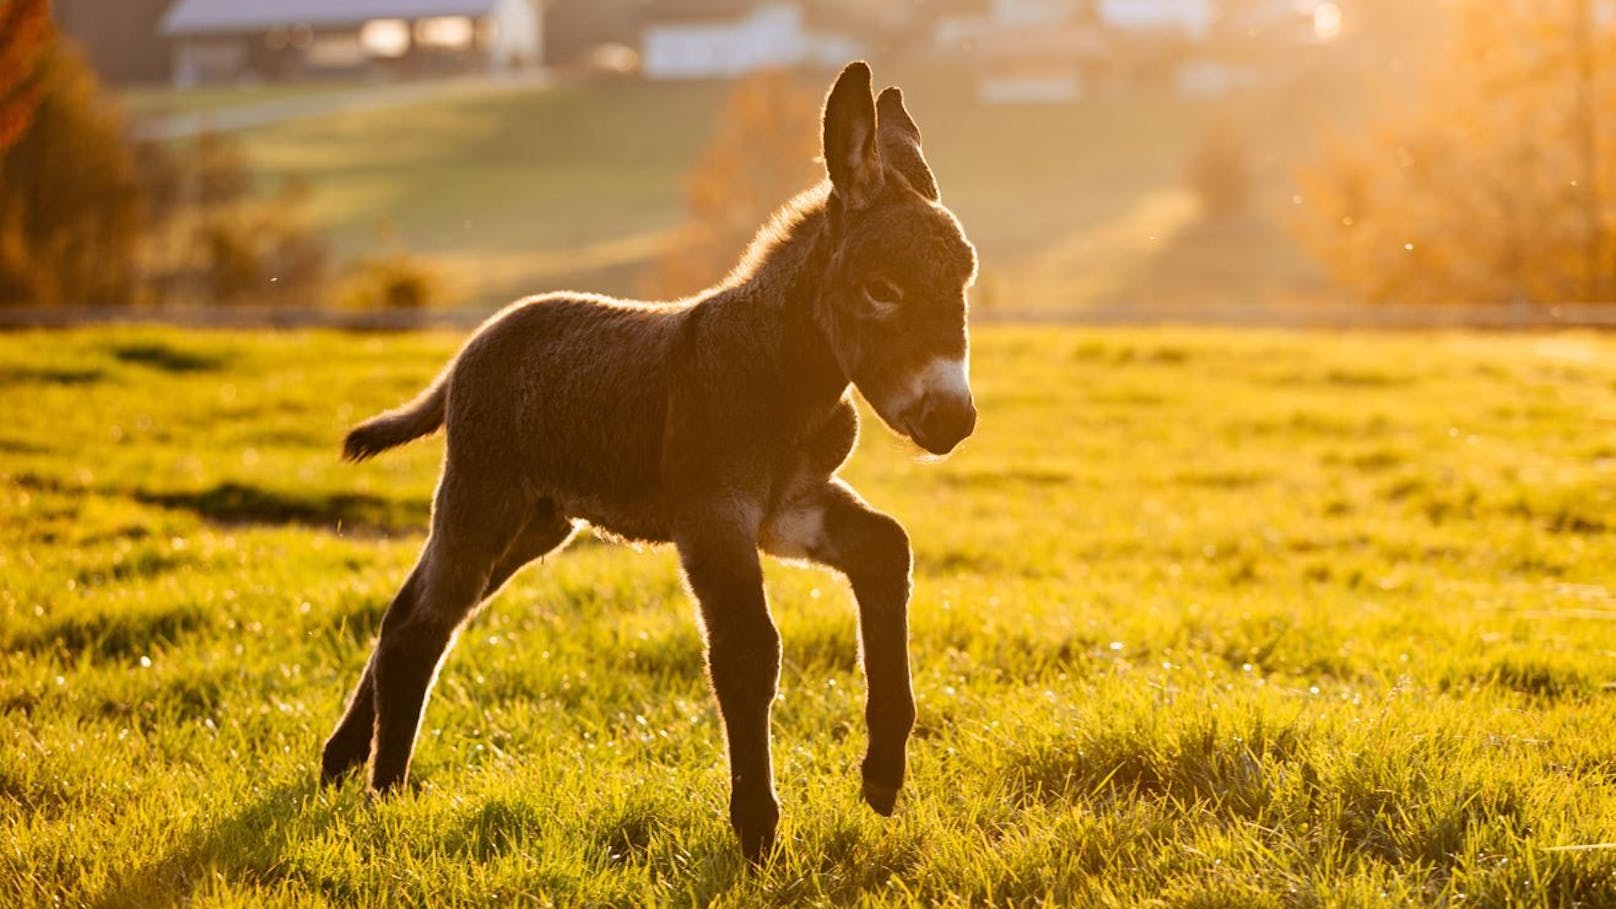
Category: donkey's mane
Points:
column 774, row 245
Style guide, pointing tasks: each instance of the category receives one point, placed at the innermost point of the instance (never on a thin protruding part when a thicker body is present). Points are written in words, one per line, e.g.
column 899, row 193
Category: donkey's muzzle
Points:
column 942, row 422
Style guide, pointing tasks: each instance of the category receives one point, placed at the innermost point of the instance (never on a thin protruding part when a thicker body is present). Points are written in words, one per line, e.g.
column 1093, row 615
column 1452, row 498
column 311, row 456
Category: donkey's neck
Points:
column 778, row 284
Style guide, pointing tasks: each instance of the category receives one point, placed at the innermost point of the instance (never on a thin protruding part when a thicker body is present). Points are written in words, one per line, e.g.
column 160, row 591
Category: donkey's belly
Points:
column 629, row 520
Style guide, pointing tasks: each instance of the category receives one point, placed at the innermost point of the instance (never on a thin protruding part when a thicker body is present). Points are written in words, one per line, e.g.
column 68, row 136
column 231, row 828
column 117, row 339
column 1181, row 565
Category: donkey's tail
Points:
column 401, row 424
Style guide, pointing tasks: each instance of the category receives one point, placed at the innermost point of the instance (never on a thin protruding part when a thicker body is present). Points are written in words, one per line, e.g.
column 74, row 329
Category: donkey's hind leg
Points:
column 349, row 746
column 473, row 525
column 546, row 531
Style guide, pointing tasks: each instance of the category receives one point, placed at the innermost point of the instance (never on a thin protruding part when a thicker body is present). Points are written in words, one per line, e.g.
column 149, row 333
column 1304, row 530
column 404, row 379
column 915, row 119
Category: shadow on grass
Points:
column 49, row 376
column 123, row 635
column 240, row 503
column 165, row 358
column 247, row 844
column 16, row 447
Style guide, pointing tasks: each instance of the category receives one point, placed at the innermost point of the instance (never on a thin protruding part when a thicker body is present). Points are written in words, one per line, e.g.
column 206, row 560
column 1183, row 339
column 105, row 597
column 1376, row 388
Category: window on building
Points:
column 385, row 37
column 449, row 32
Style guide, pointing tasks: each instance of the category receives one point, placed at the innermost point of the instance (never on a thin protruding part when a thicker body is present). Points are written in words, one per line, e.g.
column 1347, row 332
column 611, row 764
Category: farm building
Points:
column 1044, row 51
column 712, row 41
column 120, row 39
column 1188, row 18
column 227, row 40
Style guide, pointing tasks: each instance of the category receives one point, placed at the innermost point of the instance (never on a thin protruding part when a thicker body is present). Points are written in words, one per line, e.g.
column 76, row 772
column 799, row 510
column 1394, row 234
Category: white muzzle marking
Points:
column 943, row 377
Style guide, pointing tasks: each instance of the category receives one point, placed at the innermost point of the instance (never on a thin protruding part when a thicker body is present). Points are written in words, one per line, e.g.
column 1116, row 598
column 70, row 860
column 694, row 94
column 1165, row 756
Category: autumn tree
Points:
column 1220, row 172
column 69, row 199
column 87, row 217
column 1499, row 184
column 762, row 154
column 210, row 238
column 24, row 34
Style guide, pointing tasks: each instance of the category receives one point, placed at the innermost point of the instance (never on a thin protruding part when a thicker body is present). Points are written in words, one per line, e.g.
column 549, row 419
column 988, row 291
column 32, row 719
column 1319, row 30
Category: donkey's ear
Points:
column 899, row 143
column 851, row 155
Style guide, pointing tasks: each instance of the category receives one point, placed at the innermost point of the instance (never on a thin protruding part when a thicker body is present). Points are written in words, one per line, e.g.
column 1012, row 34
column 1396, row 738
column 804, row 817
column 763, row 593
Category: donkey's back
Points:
column 561, row 396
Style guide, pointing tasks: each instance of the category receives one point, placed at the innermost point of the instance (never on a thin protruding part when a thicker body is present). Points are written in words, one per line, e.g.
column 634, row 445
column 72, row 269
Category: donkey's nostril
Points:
column 944, row 422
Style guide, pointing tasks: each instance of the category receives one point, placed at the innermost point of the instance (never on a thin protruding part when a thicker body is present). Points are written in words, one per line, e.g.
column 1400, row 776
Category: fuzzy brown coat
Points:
column 716, row 424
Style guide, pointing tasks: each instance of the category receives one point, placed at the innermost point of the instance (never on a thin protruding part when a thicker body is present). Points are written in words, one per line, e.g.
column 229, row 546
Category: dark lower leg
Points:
column 406, row 661
column 349, row 745
column 745, row 667
column 743, row 656
column 890, row 710
column 874, row 554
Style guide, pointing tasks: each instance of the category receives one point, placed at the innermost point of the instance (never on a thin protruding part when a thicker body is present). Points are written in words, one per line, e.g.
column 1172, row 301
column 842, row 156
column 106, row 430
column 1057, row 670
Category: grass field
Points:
column 158, row 100
column 1200, row 619
column 578, row 186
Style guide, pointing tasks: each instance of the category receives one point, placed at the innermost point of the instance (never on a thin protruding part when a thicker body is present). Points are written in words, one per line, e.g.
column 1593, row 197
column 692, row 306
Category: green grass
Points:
column 1072, row 206
column 1200, row 619
column 160, row 101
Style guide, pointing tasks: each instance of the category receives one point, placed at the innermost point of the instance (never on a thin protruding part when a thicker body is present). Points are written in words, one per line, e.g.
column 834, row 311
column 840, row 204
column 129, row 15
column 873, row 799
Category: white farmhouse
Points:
column 763, row 37
column 1188, row 18
column 1017, row 13
column 228, row 40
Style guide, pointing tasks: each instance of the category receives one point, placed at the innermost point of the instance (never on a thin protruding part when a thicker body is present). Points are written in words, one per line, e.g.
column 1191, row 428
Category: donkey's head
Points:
column 893, row 303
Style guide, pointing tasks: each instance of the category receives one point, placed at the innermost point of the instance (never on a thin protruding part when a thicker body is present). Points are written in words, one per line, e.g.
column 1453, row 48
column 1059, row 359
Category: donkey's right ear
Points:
column 852, row 156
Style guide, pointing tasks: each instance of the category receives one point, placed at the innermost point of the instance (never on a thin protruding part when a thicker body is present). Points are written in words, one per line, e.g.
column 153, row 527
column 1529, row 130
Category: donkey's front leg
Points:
column 743, row 656
column 833, row 526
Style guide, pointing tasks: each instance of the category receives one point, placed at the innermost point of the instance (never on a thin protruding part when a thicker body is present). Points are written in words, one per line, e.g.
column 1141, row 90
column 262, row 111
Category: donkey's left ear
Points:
column 851, row 155
column 899, row 140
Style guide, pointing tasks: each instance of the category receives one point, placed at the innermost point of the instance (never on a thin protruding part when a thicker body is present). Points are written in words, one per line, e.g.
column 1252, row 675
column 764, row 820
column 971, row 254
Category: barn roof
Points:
column 202, row 17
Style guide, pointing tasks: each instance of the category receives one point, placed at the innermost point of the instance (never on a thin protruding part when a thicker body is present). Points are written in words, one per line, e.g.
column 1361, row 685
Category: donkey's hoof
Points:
column 882, row 798
column 757, row 846
column 390, row 785
column 754, row 826
column 335, row 765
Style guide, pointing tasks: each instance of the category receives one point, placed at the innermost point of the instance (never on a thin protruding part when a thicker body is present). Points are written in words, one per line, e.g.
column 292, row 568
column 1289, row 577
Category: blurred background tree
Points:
column 1500, row 185
column 1220, row 172
column 69, row 201
column 24, row 30
column 209, row 237
column 89, row 217
column 390, row 278
column 763, row 152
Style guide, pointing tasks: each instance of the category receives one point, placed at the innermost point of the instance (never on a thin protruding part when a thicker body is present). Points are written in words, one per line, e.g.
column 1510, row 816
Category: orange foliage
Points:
column 26, row 34
column 762, row 155
column 69, row 198
column 1501, row 186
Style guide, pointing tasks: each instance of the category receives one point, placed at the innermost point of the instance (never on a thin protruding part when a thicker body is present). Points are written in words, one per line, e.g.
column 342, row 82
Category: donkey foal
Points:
column 716, row 423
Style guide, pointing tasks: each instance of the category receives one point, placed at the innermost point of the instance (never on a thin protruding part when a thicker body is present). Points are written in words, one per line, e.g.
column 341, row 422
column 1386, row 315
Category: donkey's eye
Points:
column 883, row 293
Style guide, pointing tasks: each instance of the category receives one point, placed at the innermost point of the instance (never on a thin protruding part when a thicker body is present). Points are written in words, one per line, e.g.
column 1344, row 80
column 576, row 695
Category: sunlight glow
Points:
column 386, row 37
column 444, row 31
column 1327, row 21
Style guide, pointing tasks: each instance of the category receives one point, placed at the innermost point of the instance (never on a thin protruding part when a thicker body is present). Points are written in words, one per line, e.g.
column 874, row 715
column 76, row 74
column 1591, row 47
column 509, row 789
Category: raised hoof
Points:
column 883, row 799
